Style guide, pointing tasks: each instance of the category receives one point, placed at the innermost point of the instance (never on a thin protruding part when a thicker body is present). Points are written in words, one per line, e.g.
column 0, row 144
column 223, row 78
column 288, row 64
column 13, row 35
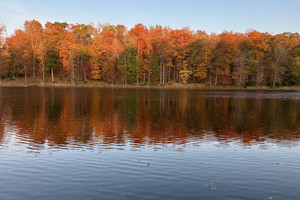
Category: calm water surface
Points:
column 89, row 143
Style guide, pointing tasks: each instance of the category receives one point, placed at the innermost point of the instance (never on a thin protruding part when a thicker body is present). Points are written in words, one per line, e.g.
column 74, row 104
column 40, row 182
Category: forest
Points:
column 154, row 55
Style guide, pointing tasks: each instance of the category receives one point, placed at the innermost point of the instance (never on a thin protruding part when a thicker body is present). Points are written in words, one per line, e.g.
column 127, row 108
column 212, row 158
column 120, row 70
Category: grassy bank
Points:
column 90, row 83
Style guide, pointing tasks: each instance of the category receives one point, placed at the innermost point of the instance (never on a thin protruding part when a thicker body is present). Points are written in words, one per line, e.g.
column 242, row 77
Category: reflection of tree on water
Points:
column 60, row 116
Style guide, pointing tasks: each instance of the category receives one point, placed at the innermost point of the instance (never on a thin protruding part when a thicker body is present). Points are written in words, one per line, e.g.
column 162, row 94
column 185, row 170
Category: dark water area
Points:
column 91, row 143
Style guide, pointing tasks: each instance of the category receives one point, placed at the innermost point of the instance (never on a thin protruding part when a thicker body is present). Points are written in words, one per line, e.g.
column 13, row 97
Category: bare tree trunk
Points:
column 78, row 72
column 149, row 76
column 43, row 72
column 33, row 65
column 84, row 75
column 216, row 79
column 125, row 69
column 274, row 78
column 72, row 71
column 175, row 74
column 43, row 76
column 160, row 72
column 193, row 78
column 163, row 73
column 114, row 76
column 26, row 82
column 81, row 65
column 209, row 78
column 52, row 76
column 169, row 77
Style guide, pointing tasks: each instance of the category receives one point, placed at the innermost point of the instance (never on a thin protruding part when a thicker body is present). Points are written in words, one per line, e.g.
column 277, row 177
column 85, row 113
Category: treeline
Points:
column 149, row 55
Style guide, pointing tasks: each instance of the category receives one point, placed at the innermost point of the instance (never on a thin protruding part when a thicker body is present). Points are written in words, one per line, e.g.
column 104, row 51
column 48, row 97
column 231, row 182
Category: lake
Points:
column 93, row 143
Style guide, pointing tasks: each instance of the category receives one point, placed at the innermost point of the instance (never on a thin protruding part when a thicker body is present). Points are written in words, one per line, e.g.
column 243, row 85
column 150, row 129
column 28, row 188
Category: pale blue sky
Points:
column 273, row 16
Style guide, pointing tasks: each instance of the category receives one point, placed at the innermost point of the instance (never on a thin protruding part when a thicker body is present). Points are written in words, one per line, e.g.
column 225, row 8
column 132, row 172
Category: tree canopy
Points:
column 149, row 55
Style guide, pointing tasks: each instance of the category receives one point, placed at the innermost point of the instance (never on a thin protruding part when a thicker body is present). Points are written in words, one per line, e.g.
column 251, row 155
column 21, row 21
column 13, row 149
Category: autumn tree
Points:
column 181, row 40
column 54, row 35
column 242, row 63
column 129, row 66
column 223, row 54
column 257, row 45
column 33, row 34
column 67, row 55
column 294, row 66
column 199, row 57
column 278, row 66
column 83, row 36
column 185, row 73
column 286, row 51
column 240, row 71
column 140, row 37
column 19, row 54
column 51, row 61
column 106, row 51
column 163, row 50
column 2, row 56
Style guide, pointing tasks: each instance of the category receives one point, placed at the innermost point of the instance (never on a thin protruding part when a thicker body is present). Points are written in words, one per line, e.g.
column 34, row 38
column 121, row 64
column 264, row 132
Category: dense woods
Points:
column 154, row 55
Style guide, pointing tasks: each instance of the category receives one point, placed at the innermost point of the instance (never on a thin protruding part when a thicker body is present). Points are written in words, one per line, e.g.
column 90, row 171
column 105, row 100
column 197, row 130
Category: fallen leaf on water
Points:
column 213, row 188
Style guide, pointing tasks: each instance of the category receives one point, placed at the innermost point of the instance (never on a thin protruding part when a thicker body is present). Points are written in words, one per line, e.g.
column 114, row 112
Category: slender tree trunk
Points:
column 125, row 69
column 274, row 78
column 115, row 68
column 72, row 71
column 62, row 73
column 138, row 49
column 84, row 75
column 209, row 78
column 43, row 76
column 43, row 72
column 78, row 72
column 260, row 75
column 163, row 73
column 193, row 77
column 160, row 72
column 26, row 82
column 114, row 76
column 81, row 65
column 52, row 76
column 175, row 73
column 33, row 65
column 216, row 79
column 169, row 77
column 149, row 76
column 138, row 59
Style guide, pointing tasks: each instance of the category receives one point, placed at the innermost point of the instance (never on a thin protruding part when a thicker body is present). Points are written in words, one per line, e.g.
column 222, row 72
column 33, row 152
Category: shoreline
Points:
column 97, row 84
